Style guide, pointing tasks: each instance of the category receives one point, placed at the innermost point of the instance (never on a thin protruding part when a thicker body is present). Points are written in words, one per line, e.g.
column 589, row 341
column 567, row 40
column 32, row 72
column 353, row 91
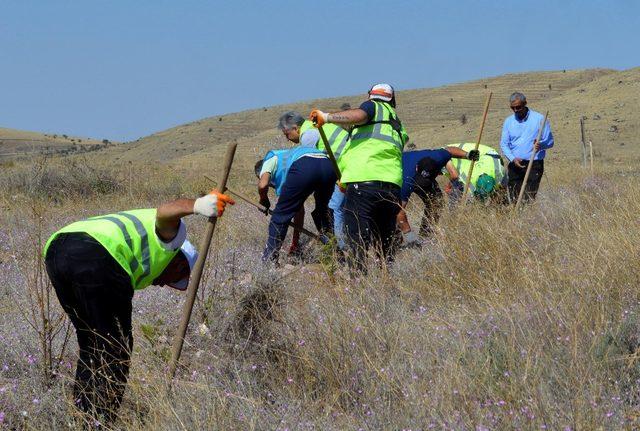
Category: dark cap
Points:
column 258, row 167
column 427, row 168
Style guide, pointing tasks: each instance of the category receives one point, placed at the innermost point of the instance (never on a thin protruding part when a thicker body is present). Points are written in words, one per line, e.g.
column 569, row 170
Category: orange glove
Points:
column 318, row 117
column 212, row 205
column 448, row 188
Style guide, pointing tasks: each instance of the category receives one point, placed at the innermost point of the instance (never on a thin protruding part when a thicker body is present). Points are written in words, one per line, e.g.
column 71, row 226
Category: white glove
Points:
column 207, row 206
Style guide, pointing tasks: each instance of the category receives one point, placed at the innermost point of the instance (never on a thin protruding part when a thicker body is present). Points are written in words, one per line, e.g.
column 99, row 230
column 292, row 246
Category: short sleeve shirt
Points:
column 270, row 165
column 410, row 160
column 310, row 138
column 370, row 108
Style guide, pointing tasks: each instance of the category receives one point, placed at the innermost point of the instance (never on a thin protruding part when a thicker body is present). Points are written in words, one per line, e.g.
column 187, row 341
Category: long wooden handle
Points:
column 531, row 159
column 329, row 151
column 473, row 162
column 266, row 210
column 196, row 275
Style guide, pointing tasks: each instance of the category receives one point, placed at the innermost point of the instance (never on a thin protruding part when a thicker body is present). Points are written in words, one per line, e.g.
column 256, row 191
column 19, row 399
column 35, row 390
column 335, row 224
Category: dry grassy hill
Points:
column 607, row 99
column 503, row 320
column 21, row 144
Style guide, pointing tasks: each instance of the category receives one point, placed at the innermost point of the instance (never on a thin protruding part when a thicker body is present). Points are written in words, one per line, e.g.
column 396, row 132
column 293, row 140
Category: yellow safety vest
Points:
column 130, row 238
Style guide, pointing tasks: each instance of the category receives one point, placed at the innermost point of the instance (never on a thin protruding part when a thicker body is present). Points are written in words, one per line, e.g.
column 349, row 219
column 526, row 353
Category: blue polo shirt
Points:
column 518, row 136
column 410, row 161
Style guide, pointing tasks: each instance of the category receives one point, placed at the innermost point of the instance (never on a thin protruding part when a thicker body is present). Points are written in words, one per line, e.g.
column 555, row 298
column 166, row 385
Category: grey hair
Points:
column 289, row 120
column 517, row 96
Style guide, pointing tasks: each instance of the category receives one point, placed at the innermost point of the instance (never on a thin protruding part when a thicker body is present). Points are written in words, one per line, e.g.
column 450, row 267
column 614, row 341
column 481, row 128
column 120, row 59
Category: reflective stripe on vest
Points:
column 377, row 127
column 337, row 133
column 130, row 238
column 133, row 263
column 374, row 150
column 333, row 138
column 485, row 151
column 144, row 245
column 497, row 164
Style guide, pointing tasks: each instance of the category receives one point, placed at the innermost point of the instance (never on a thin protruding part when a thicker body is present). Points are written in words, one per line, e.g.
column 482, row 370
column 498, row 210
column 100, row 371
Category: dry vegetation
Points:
column 502, row 321
column 20, row 144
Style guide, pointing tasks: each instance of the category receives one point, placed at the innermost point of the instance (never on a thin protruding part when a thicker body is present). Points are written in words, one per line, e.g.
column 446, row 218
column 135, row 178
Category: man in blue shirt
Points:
column 519, row 135
column 420, row 169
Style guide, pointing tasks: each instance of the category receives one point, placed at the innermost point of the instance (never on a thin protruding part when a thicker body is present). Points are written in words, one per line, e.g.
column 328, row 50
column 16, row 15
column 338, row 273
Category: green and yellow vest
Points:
column 336, row 135
column 130, row 237
column 489, row 163
column 374, row 150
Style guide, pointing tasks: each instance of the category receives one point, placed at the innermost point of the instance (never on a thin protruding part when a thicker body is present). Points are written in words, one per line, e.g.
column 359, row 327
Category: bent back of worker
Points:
column 489, row 163
column 130, row 238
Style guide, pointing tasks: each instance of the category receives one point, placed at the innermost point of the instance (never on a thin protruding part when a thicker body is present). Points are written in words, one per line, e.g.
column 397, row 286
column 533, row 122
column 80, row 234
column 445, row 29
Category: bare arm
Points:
column 168, row 217
column 456, row 152
column 263, row 186
column 402, row 220
column 349, row 117
column 453, row 173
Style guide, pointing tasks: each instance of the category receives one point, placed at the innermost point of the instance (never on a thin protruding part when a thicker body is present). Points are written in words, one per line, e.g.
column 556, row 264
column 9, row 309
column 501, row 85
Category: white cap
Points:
column 381, row 92
column 191, row 254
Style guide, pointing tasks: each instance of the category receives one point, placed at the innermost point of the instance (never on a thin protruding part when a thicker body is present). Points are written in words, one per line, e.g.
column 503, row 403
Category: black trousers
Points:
column 431, row 195
column 370, row 211
column 96, row 294
column 516, row 178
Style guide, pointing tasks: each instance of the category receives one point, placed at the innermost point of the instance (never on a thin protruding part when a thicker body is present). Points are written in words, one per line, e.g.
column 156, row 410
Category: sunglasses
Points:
column 517, row 108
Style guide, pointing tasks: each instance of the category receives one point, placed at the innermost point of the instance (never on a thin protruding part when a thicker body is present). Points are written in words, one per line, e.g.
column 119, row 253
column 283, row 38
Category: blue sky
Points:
column 124, row 69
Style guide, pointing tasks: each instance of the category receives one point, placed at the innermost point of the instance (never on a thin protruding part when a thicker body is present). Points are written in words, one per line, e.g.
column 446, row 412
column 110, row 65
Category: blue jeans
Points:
column 307, row 176
column 337, row 205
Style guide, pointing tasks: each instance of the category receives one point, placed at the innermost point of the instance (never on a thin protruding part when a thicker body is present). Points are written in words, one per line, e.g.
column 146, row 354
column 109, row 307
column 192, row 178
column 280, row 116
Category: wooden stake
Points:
column 266, row 210
column 531, row 159
column 473, row 162
column 130, row 181
column 329, row 151
column 584, row 143
column 196, row 275
column 591, row 156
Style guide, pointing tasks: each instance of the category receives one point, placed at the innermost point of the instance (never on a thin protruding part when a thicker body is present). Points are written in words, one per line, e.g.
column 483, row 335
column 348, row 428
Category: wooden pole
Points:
column 584, row 143
column 329, row 151
column 531, row 159
column 473, row 162
column 130, row 181
column 266, row 210
column 196, row 275
column 591, row 156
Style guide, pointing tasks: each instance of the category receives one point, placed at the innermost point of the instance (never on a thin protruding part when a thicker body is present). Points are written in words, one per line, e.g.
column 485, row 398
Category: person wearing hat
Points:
column 488, row 175
column 371, row 171
column 295, row 174
column 420, row 168
column 95, row 265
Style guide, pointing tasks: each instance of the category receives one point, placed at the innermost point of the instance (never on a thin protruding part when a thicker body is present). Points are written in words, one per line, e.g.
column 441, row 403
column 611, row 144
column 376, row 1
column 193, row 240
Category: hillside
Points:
column 21, row 144
column 608, row 100
column 433, row 117
column 502, row 320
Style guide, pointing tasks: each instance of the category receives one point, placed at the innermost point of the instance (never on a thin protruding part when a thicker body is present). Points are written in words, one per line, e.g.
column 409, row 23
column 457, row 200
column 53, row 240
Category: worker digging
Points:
column 353, row 163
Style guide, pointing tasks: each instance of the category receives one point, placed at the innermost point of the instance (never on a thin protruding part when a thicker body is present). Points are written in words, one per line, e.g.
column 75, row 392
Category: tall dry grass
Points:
column 502, row 321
